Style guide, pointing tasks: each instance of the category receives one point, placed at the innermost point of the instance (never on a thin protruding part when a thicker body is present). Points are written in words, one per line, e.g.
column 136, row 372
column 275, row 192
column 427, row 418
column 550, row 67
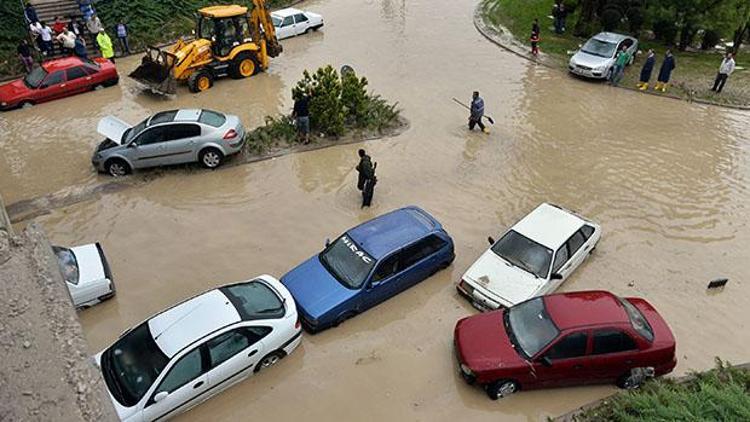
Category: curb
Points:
column 502, row 37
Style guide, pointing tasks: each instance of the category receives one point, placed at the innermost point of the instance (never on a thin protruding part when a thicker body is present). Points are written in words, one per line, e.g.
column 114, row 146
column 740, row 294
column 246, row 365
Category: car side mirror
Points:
column 328, row 242
column 556, row 276
column 491, row 240
column 545, row 360
column 161, row 395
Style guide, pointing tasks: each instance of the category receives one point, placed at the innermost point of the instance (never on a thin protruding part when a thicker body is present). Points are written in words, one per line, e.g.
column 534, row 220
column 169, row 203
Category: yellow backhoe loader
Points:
column 229, row 41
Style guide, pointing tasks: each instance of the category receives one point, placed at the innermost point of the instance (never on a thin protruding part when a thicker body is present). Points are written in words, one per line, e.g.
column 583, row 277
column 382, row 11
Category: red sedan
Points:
column 564, row 339
column 57, row 79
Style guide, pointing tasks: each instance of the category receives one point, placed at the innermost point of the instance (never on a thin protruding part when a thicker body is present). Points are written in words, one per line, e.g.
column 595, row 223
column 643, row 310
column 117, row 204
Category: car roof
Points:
column 61, row 64
column 287, row 12
column 393, row 230
column 188, row 115
column 184, row 324
column 549, row 225
column 611, row 37
column 183, row 115
column 587, row 308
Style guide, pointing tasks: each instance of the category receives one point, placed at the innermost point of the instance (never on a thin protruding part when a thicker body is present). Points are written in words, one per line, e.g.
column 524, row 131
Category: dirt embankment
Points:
column 46, row 372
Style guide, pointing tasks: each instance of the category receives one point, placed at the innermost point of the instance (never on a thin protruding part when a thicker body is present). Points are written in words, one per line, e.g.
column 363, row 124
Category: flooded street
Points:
column 667, row 181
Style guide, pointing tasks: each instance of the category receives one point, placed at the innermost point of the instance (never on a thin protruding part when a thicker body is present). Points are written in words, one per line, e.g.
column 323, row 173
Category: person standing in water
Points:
column 367, row 180
column 477, row 112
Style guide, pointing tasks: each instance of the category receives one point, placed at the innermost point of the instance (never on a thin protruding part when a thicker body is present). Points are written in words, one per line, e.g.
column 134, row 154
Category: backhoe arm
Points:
column 261, row 28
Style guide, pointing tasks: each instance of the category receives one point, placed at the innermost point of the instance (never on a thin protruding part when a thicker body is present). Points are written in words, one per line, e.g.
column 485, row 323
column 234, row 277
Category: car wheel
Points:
column 117, row 167
column 269, row 360
column 502, row 388
column 244, row 66
column 26, row 104
column 200, row 80
column 211, row 158
column 609, row 74
column 634, row 378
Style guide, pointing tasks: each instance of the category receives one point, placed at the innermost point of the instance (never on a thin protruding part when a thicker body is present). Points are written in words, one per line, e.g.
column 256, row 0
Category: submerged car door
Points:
column 577, row 249
column 384, row 281
column 287, row 28
column 233, row 355
column 148, row 148
column 301, row 23
column 184, row 384
column 613, row 353
column 78, row 80
column 568, row 363
column 420, row 260
column 180, row 141
column 52, row 87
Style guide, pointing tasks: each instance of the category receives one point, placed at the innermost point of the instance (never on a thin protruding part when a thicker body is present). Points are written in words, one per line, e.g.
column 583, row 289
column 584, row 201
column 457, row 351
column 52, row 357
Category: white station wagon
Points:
column 198, row 348
column 531, row 259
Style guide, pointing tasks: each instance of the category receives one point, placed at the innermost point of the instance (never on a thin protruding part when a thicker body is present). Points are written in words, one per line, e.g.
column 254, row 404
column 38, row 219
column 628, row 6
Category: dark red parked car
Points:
column 57, row 79
column 564, row 339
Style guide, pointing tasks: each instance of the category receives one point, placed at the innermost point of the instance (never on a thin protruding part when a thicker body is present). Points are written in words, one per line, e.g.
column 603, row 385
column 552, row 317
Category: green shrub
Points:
column 720, row 394
column 665, row 30
column 276, row 129
column 12, row 30
column 710, row 39
column 611, row 18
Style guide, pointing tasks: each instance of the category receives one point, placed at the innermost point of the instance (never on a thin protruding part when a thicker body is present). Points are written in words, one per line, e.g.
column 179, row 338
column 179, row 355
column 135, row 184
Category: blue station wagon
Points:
column 367, row 265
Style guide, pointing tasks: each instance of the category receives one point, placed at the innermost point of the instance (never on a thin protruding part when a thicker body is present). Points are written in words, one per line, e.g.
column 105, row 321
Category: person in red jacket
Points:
column 534, row 43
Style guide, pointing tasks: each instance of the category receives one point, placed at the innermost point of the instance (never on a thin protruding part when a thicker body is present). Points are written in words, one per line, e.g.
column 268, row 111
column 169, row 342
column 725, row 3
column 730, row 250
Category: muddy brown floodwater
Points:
column 666, row 179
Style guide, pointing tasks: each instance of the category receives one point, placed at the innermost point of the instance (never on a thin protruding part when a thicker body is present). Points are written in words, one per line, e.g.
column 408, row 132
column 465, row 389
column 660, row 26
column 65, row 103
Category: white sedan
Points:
column 290, row 22
column 86, row 273
column 531, row 259
column 188, row 353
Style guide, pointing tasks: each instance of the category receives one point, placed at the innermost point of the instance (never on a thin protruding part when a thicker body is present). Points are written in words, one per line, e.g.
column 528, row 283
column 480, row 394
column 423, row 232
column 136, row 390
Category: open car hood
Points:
column 112, row 128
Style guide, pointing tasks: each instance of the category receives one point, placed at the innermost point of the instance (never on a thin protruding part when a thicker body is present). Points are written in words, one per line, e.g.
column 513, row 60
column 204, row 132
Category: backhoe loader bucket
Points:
column 155, row 71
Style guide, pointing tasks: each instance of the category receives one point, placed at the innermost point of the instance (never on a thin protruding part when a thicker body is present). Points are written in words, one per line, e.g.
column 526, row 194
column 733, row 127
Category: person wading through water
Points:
column 477, row 112
column 367, row 180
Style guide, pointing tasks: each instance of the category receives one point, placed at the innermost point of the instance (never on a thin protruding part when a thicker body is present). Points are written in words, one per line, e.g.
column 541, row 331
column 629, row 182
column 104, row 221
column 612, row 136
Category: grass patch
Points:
column 692, row 79
column 721, row 394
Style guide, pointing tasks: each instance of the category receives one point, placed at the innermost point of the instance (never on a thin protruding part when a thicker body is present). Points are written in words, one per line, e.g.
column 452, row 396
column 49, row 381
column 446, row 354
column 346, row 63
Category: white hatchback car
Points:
column 290, row 22
column 86, row 273
column 531, row 259
column 188, row 353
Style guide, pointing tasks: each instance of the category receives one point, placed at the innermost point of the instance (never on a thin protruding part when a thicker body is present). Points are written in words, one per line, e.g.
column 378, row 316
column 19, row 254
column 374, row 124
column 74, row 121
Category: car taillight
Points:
column 231, row 134
column 297, row 324
column 463, row 285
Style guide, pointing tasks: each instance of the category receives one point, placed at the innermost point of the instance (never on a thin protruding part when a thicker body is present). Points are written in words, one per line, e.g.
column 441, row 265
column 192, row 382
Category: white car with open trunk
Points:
column 192, row 351
column 533, row 258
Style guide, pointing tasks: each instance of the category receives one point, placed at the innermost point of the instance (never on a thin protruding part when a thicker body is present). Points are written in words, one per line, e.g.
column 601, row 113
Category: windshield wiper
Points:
column 269, row 310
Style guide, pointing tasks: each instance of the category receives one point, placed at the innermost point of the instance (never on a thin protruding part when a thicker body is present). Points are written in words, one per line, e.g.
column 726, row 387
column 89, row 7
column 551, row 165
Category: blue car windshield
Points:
column 348, row 262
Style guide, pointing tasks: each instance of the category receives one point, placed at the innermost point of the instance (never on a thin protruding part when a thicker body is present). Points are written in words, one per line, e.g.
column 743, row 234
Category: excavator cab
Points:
column 230, row 41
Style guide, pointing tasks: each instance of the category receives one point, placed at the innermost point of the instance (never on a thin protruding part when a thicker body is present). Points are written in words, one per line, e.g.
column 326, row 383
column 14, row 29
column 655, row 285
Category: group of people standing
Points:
column 70, row 35
column 665, row 72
